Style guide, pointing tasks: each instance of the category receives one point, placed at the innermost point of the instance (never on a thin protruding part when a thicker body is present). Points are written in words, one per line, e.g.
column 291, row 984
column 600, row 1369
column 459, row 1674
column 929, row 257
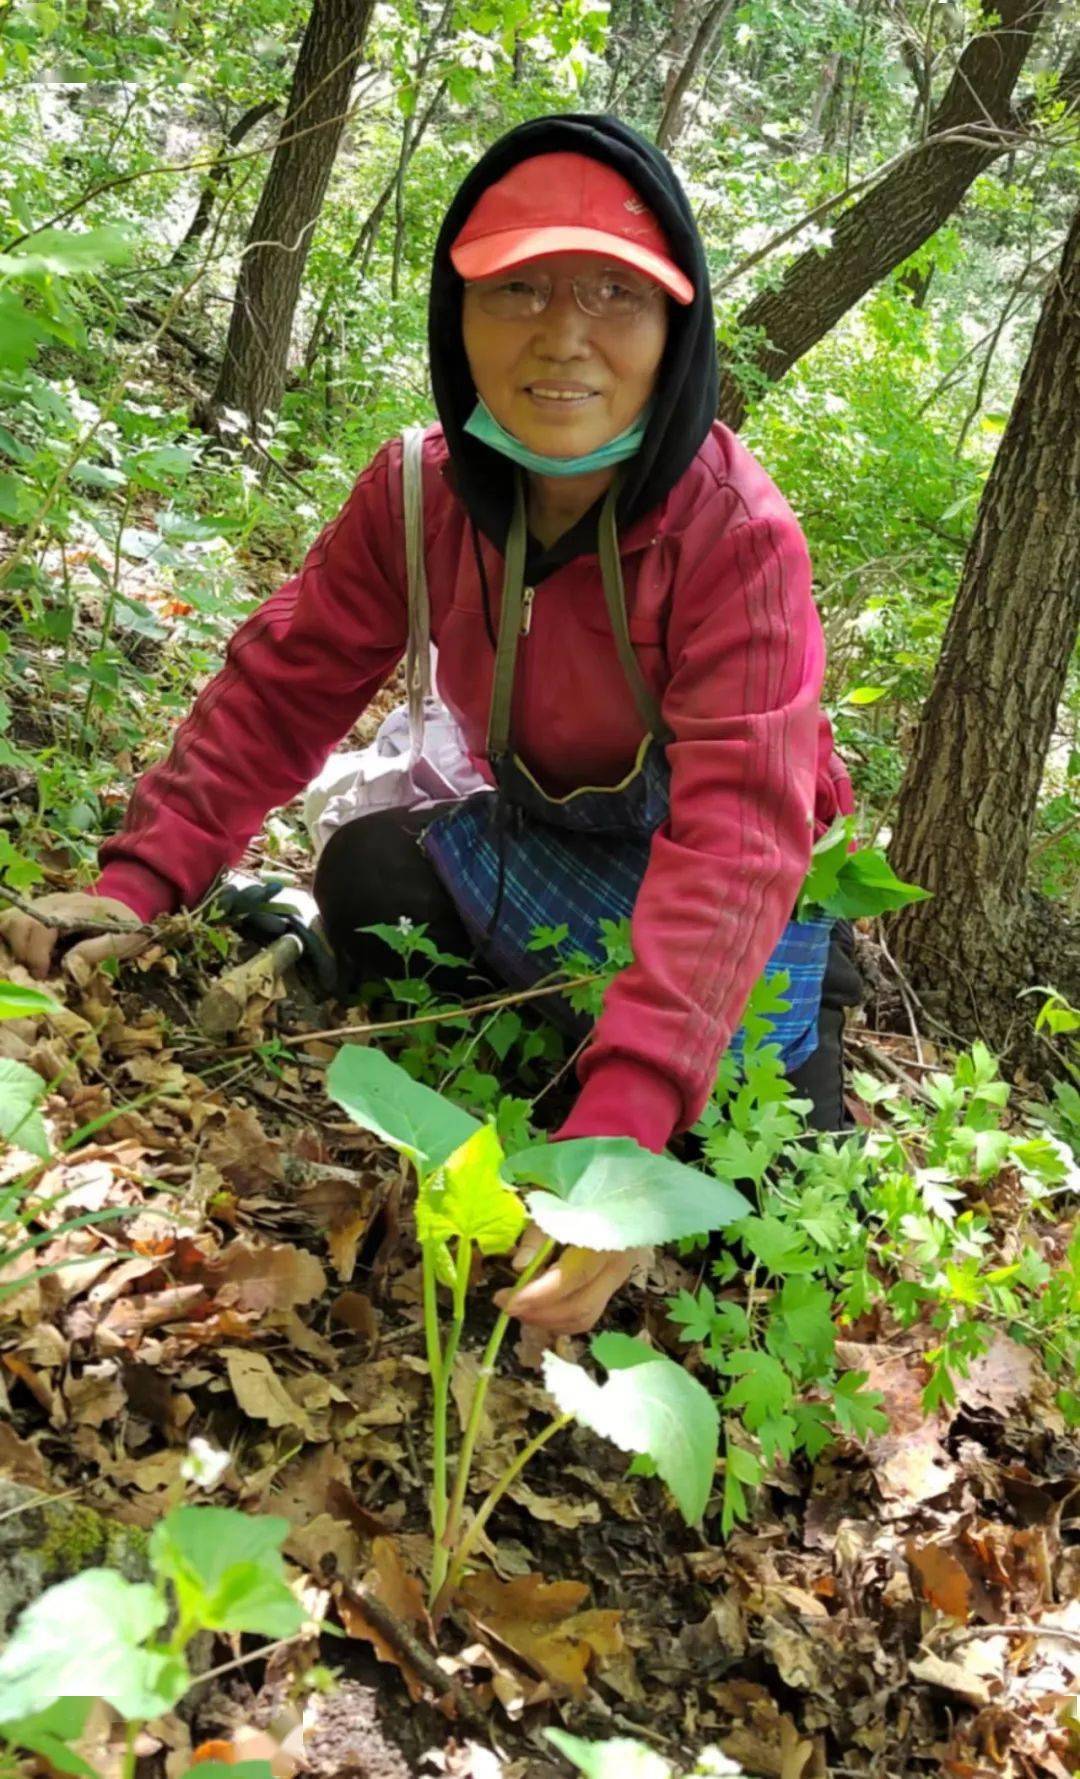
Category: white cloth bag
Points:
column 418, row 757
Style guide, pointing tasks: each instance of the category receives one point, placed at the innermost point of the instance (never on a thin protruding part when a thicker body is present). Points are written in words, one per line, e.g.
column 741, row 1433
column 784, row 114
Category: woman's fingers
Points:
column 83, row 959
column 571, row 1296
column 528, row 1248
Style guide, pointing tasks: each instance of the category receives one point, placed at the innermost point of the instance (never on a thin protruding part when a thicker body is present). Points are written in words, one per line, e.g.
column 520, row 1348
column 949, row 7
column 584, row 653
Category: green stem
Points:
column 442, row 1381
column 127, row 1769
column 486, row 1373
column 435, row 1369
column 491, row 1501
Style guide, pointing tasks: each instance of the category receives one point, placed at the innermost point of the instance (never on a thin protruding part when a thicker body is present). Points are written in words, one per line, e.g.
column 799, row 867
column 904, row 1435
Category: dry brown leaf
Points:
column 1000, row 1378
column 966, row 1675
column 556, row 1510
column 242, row 1152
column 945, row 1582
column 255, row 1278
column 262, row 1395
column 328, row 1547
column 343, row 1239
column 401, row 1593
column 97, row 1396
column 540, row 1622
column 352, row 1310
column 910, row 1462
column 20, row 1461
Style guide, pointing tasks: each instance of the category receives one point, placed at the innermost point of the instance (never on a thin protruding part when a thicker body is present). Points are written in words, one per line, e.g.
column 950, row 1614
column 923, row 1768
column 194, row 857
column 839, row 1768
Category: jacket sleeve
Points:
column 747, row 662
column 297, row 674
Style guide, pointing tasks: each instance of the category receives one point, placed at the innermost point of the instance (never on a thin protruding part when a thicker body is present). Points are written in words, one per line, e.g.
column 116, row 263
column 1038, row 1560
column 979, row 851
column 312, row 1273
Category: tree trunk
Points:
column 968, row 801
column 200, row 222
column 886, row 226
column 253, row 371
column 671, row 121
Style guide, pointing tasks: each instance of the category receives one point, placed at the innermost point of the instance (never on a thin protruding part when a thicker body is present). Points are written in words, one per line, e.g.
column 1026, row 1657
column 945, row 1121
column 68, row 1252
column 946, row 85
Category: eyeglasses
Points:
column 609, row 295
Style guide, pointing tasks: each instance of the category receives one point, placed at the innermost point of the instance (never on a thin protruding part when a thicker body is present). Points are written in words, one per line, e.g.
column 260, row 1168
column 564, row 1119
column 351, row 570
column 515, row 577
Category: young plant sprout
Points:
column 601, row 1193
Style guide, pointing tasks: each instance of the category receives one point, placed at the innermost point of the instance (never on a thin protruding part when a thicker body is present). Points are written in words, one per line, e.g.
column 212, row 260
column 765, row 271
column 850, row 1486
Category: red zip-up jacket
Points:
column 724, row 626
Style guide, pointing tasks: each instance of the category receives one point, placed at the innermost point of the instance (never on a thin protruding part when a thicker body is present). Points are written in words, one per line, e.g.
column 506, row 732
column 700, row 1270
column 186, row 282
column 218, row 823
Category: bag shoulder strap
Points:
column 418, row 648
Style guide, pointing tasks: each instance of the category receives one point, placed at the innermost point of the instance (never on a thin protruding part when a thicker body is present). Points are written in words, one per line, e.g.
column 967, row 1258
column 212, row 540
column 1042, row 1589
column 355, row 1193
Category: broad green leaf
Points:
column 467, row 1197
column 826, row 860
column 648, row 1405
column 381, row 1097
column 17, row 1002
column 227, row 1569
column 62, row 252
column 21, row 1088
column 620, row 1759
column 52, row 1655
column 50, row 1733
column 867, row 884
column 609, row 1193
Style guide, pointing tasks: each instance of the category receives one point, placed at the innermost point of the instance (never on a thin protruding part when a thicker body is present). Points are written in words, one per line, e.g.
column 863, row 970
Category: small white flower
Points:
column 405, row 925
column 204, row 1465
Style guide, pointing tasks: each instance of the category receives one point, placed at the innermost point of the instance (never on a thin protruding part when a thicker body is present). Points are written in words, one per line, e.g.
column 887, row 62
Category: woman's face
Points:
column 604, row 367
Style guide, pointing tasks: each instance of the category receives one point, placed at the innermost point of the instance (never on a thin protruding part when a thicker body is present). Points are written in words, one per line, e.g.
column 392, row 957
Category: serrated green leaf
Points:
column 800, row 1330
column 649, row 1405
column 51, row 1656
column 379, row 1096
column 763, row 1388
column 858, row 1411
column 468, row 1197
column 227, row 1569
column 619, row 1759
column 609, row 1193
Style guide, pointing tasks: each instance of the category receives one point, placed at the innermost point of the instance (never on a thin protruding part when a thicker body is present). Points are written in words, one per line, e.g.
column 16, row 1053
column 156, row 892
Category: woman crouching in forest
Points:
column 626, row 642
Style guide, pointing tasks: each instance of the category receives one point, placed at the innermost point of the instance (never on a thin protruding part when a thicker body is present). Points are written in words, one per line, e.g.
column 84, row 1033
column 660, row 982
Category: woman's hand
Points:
column 572, row 1295
column 33, row 943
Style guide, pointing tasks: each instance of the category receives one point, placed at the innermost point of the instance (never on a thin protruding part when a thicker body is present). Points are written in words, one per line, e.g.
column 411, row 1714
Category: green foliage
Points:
column 649, row 1406
column 846, row 885
column 601, row 1193
column 874, row 1221
column 99, row 1636
column 610, row 1193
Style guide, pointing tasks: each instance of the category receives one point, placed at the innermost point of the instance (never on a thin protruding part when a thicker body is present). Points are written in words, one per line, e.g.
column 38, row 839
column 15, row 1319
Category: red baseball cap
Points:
column 565, row 203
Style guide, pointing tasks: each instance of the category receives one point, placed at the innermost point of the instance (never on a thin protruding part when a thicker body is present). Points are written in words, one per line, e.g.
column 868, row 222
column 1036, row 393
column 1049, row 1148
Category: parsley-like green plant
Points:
column 607, row 1194
column 101, row 1637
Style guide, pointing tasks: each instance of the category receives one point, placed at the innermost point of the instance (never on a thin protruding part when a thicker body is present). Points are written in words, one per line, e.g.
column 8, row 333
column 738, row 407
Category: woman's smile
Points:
column 562, row 398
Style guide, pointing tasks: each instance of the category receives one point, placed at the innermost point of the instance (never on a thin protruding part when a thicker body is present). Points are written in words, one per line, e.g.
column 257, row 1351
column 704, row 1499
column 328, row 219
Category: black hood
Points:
column 686, row 393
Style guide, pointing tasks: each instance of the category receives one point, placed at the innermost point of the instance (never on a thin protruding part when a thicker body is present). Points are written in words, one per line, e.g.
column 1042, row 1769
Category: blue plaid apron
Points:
column 517, row 859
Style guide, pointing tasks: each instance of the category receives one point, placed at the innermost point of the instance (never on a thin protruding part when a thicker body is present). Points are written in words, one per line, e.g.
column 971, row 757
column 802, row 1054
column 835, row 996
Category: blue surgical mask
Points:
column 483, row 425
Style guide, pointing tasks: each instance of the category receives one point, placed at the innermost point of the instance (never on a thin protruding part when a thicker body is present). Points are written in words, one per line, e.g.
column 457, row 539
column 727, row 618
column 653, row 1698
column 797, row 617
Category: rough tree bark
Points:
column 204, row 210
column 671, row 121
column 253, row 370
column 886, row 226
column 968, row 800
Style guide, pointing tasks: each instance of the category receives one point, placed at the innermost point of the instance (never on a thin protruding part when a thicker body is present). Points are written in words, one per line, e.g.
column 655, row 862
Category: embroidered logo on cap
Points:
column 635, row 206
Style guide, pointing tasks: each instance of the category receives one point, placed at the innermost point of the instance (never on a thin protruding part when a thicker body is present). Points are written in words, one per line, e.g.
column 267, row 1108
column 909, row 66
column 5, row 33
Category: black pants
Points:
column 373, row 872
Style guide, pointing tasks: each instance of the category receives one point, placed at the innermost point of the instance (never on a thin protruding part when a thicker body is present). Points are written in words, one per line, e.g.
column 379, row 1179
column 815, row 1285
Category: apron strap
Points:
column 615, row 594
column 502, row 685
column 502, row 688
column 418, row 648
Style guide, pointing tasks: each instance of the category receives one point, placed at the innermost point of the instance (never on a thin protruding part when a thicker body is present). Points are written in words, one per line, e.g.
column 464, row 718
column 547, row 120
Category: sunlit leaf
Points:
column 51, row 1653
column 227, row 1569
column 381, row 1097
column 610, row 1193
column 467, row 1197
column 17, row 1002
column 649, row 1405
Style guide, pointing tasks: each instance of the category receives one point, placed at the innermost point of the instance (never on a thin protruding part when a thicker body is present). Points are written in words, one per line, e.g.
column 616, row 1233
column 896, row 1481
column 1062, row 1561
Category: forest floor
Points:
column 870, row 1619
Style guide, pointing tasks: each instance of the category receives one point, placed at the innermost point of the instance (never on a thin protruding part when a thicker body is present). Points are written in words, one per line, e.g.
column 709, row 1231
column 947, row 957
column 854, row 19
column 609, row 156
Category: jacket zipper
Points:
column 528, row 594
